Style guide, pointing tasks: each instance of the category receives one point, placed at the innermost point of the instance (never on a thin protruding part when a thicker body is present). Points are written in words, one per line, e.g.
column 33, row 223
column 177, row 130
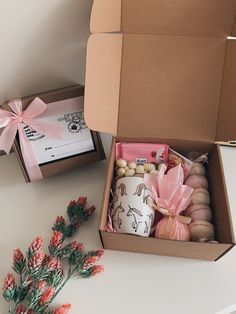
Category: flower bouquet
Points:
column 41, row 276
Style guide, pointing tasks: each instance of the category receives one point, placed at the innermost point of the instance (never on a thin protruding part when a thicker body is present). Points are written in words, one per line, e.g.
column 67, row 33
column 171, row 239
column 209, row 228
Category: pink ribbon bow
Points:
column 16, row 121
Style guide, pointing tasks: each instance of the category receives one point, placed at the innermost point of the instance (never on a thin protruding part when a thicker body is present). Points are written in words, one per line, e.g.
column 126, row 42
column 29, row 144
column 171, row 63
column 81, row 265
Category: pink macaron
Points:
column 196, row 182
column 197, row 169
column 202, row 230
column 200, row 196
column 199, row 212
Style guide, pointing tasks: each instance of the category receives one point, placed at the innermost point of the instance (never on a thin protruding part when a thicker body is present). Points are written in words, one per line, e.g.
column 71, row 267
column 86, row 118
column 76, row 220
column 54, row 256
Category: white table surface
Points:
column 131, row 283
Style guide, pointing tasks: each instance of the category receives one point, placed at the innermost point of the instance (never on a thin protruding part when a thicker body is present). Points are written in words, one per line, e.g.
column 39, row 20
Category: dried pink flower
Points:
column 36, row 261
column 77, row 246
column 97, row 270
column 9, row 283
column 60, row 220
column 64, row 309
column 91, row 210
column 21, row 309
column 36, row 245
column 47, row 296
column 42, row 285
column 82, row 201
column 51, row 263
column 57, row 239
column 18, row 256
column 58, row 265
column 90, row 261
column 100, row 253
column 72, row 204
column 46, row 259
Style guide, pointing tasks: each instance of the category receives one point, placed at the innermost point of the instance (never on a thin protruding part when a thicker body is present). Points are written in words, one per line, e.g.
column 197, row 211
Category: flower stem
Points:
column 61, row 286
column 70, row 274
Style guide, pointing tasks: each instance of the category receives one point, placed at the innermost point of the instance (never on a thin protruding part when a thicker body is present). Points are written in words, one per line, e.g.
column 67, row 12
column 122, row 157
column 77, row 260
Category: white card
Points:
column 76, row 137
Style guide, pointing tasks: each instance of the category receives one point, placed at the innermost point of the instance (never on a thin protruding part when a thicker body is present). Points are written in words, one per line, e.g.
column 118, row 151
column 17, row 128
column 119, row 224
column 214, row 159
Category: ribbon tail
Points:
column 7, row 137
column 160, row 209
column 36, row 108
column 6, row 118
column 170, row 223
column 184, row 219
column 16, row 106
column 30, row 161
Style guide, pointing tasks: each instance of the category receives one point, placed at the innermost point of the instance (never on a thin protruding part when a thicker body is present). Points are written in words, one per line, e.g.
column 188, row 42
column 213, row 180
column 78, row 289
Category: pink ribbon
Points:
column 15, row 121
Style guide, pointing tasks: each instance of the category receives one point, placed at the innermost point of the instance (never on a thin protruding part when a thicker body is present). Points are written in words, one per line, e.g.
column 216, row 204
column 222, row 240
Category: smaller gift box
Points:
column 48, row 133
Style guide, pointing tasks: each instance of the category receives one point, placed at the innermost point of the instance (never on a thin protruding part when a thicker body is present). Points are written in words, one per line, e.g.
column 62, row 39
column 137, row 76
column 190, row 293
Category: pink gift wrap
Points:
column 171, row 198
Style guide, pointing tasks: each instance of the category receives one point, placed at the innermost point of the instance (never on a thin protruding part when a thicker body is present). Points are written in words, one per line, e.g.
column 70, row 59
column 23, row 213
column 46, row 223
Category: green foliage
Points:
column 41, row 276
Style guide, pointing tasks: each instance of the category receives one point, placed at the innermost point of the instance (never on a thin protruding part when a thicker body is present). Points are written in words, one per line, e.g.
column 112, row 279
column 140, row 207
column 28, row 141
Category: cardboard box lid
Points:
column 149, row 86
column 226, row 129
column 156, row 85
column 234, row 29
column 175, row 17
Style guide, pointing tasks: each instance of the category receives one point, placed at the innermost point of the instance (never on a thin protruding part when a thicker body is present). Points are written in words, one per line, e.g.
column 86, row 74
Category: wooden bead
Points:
column 197, row 169
column 201, row 230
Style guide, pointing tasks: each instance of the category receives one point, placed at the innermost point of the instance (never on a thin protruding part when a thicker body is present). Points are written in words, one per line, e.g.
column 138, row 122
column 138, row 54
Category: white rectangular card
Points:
column 76, row 137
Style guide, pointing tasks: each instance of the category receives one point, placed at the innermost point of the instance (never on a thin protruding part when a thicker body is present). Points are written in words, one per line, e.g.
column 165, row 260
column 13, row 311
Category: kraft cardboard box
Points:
column 164, row 71
column 62, row 98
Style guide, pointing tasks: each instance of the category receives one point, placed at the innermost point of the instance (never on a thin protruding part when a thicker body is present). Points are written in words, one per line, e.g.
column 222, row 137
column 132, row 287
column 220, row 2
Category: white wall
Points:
column 42, row 45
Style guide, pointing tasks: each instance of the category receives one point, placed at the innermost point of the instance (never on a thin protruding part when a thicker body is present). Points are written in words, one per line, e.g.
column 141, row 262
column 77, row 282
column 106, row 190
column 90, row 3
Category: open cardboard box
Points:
column 65, row 164
column 166, row 74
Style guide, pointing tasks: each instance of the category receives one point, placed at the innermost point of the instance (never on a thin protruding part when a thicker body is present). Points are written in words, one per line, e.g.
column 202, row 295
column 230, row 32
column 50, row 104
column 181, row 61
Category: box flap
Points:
column 103, row 68
column 226, row 130
column 163, row 86
column 234, row 29
column 164, row 17
column 106, row 16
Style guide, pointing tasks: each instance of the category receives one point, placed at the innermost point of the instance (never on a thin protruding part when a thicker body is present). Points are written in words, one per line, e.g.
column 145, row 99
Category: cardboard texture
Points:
column 169, row 17
column 189, row 80
column 69, row 163
column 234, row 29
column 227, row 112
column 164, row 77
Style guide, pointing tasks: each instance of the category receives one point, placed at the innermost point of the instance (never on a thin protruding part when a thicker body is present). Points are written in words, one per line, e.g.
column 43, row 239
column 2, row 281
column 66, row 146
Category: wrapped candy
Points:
column 142, row 153
column 171, row 198
column 172, row 228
